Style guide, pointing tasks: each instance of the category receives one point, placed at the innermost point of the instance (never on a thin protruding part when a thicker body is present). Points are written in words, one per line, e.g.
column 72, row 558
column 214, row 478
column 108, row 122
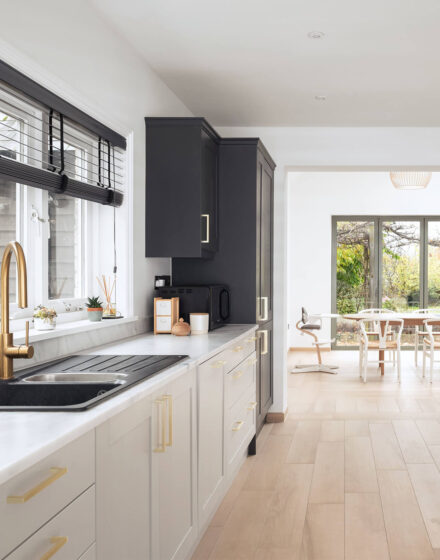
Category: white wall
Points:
column 314, row 197
column 67, row 47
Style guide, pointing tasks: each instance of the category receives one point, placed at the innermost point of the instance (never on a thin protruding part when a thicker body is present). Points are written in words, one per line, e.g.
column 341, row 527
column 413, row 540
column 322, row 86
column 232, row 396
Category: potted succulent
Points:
column 94, row 309
column 44, row 318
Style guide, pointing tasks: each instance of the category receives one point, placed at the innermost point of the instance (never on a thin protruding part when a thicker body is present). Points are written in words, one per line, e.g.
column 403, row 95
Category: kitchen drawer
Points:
column 89, row 554
column 240, row 379
column 68, row 535
column 240, row 427
column 33, row 497
column 238, row 351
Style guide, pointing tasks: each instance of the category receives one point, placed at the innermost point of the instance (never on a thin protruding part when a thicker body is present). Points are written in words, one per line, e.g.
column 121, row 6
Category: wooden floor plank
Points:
column 305, row 442
column 426, row 482
column 411, row 443
column 332, row 430
column 360, row 469
column 284, row 524
column 386, row 449
column 266, row 468
column 430, row 430
column 240, row 535
column 365, row 536
column 323, row 537
column 286, row 428
column 207, row 544
column 406, row 532
column 355, row 428
column 328, row 475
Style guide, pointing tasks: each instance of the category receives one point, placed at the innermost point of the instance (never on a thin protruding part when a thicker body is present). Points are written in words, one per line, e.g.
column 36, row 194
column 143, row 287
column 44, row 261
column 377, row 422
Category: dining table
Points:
column 409, row 320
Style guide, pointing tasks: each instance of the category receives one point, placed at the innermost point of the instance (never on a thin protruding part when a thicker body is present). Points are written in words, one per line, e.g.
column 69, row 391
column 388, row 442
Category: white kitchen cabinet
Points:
column 124, row 480
column 211, row 463
column 175, row 469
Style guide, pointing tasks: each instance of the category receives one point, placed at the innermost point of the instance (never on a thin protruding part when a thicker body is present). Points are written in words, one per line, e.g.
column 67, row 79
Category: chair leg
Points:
column 431, row 363
column 424, row 360
column 361, row 351
column 416, row 345
column 365, row 363
column 398, row 364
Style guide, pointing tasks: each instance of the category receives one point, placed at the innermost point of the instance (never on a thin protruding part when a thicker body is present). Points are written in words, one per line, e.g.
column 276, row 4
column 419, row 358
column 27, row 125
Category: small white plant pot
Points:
column 44, row 324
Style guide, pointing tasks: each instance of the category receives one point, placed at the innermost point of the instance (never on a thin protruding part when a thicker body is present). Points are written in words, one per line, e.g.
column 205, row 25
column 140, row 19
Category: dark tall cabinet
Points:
column 244, row 259
column 181, row 187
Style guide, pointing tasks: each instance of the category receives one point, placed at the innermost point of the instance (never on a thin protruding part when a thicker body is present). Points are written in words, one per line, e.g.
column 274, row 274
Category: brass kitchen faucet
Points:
column 9, row 352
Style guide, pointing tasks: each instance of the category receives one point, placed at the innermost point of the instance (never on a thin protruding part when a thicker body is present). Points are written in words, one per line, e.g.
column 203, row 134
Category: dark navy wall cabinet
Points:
column 181, row 187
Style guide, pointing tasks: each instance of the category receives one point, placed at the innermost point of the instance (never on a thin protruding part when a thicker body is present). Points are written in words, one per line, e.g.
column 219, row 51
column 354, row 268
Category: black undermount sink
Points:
column 78, row 382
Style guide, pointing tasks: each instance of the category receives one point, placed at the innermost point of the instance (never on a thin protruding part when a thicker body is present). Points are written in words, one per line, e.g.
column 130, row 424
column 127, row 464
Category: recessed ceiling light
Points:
column 315, row 35
column 320, row 97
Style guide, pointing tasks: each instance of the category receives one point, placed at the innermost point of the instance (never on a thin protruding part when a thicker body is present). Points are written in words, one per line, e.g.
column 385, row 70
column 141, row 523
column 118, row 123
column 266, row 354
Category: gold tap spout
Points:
column 8, row 352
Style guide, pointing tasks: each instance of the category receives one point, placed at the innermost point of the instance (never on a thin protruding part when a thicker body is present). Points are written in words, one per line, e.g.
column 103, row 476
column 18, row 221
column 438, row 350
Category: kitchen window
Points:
column 52, row 207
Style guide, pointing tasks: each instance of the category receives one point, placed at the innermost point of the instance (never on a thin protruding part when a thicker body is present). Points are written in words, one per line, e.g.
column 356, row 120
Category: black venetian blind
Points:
column 47, row 143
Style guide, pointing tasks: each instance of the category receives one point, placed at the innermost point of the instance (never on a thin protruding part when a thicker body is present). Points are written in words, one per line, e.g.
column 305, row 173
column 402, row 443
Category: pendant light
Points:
column 406, row 180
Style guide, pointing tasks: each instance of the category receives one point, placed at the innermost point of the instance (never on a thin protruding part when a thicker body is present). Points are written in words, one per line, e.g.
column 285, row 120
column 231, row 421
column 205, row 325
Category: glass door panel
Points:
column 433, row 258
column 401, row 269
column 355, row 275
column 401, row 265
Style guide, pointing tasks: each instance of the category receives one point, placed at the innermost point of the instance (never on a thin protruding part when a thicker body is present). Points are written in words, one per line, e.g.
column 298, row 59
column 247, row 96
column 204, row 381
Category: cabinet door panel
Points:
column 123, row 484
column 264, row 372
column 209, row 193
column 211, row 471
column 266, row 243
column 175, row 472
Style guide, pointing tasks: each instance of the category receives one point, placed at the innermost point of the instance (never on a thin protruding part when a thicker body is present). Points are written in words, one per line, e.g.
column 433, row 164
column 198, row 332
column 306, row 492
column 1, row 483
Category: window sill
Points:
column 66, row 329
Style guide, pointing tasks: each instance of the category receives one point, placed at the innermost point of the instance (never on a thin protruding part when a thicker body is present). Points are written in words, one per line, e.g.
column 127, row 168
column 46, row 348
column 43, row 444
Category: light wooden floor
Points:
column 353, row 473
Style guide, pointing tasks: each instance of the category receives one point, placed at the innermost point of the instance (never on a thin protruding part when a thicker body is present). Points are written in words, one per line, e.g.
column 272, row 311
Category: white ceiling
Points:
column 250, row 62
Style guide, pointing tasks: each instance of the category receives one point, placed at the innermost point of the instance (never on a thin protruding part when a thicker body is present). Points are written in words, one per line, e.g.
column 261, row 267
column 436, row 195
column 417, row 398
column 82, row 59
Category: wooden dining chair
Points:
column 373, row 326
column 430, row 345
column 420, row 333
column 384, row 342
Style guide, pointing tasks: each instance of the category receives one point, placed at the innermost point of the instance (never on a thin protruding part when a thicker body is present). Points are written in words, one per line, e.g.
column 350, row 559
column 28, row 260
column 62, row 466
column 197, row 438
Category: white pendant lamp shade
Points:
column 406, row 180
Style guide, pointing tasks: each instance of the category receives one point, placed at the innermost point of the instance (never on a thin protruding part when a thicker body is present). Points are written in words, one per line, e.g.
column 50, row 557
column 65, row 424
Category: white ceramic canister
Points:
column 199, row 323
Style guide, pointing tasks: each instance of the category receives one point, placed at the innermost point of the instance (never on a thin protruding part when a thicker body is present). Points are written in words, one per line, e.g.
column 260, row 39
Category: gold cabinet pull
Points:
column 56, row 473
column 237, row 374
column 169, row 400
column 161, row 447
column 265, row 345
column 206, row 240
column 218, row 364
column 238, row 348
column 252, row 405
column 251, row 339
column 265, row 300
column 238, row 426
column 57, row 542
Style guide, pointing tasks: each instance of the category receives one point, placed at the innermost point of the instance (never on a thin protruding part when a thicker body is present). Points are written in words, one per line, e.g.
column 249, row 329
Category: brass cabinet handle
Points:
column 238, row 348
column 266, row 344
column 265, row 316
column 238, row 426
column 58, row 542
column 251, row 339
column 57, row 472
column 252, row 405
column 161, row 447
column 206, row 240
column 218, row 364
column 169, row 400
column 237, row 374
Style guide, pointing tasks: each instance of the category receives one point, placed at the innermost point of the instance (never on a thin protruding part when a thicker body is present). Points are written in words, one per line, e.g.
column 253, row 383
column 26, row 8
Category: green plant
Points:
column 94, row 303
column 45, row 313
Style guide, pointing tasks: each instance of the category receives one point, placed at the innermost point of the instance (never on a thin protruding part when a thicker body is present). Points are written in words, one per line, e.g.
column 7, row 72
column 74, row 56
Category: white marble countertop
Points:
column 28, row 437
